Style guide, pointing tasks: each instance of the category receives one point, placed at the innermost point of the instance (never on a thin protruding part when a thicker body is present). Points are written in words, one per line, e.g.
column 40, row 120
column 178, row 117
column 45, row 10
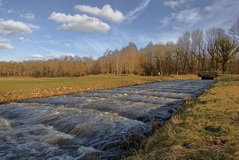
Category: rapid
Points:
column 101, row 124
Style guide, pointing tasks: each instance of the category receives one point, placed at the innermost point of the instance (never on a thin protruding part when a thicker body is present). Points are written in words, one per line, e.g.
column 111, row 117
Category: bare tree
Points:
column 148, row 61
column 227, row 50
column 212, row 35
column 197, row 47
column 183, row 49
column 132, row 55
column 234, row 30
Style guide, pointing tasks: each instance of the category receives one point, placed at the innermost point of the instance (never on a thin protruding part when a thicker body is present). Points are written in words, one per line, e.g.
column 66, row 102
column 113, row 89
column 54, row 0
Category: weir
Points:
column 100, row 124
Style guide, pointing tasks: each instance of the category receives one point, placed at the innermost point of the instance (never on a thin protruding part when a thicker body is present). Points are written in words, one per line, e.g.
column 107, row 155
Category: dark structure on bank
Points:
column 208, row 74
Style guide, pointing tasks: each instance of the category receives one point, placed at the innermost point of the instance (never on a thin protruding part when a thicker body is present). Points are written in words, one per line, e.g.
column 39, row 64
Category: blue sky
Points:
column 44, row 29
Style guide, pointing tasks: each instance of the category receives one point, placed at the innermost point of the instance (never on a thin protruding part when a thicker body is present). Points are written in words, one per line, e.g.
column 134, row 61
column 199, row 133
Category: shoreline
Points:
column 206, row 128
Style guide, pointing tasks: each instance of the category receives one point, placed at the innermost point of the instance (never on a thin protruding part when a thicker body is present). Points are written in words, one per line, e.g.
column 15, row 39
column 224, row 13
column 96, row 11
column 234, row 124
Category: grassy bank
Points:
column 14, row 89
column 206, row 129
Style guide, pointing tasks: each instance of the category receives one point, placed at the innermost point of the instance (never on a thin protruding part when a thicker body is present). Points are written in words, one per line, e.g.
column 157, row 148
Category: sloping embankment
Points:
column 205, row 129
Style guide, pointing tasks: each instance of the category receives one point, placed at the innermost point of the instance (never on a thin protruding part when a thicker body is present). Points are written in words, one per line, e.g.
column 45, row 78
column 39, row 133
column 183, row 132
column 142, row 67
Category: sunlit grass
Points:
column 14, row 89
column 207, row 128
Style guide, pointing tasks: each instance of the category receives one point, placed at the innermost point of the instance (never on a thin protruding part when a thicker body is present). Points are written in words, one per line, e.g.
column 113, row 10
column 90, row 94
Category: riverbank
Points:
column 207, row 128
column 103, row 124
column 15, row 89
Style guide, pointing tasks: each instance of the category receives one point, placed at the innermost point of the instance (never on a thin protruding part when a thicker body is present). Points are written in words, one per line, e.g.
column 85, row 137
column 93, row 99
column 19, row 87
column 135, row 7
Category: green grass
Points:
column 13, row 89
column 206, row 129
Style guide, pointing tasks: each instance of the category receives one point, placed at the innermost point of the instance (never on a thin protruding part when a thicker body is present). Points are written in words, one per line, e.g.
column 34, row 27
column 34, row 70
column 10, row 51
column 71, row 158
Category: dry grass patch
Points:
column 205, row 129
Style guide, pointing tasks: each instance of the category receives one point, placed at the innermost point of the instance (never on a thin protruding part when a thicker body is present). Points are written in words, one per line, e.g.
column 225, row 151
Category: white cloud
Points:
column 97, row 46
column 10, row 27
column 28, row 16
column 53, row 43
column 66, row 45
column 167, row 36
column 221, row 13
column 133, row 14
column 188, row 16
column 70, row 54
column 36, row 56
column 184, row 20
column 60, row 55
column 5, row 44
column 10, row 11
column 23, row 39
column 165, row 22
column 217, row 5
column 208, row 8
column 54, row 55
column 80, row 23
column 87, row 51
column 33, row 26
column 175, row 3
column 106, row 12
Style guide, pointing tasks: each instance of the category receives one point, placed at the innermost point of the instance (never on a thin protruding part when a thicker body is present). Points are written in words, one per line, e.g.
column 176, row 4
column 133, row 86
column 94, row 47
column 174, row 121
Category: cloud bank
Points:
column 85, row 23
column 10, row 27
column 80, row 23
column 106, row 12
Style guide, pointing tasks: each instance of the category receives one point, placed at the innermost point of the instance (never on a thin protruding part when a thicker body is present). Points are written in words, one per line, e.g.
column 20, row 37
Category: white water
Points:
column 99, row 124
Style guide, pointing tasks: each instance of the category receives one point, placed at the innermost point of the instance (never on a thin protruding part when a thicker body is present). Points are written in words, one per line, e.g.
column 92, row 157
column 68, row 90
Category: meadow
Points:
column 15, row 89
column 204, row 129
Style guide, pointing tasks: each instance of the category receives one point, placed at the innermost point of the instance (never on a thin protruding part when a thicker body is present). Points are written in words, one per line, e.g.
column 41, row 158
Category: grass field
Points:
column 14, row 89
column 205, row 129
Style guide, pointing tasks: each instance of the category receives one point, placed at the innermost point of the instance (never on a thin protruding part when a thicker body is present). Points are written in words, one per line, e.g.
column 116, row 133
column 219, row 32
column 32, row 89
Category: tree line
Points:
column 214, row 49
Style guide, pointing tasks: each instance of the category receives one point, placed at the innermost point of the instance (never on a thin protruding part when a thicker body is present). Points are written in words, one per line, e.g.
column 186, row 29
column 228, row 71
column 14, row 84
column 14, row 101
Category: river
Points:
column 100, row 124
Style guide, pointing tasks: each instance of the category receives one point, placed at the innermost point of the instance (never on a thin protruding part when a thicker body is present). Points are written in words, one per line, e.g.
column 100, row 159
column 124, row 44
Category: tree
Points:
column 164, row 58
column 108, row 56
column 117, row 61
column 197, row 47
column 212, row 35
column 234, row 30
column 160, row 49
column 183, row 50
column 148, row 62
column 227, row 50
column 132, row 57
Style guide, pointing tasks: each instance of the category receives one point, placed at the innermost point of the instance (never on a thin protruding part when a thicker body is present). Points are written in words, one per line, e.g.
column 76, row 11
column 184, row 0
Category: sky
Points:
column 47, row 29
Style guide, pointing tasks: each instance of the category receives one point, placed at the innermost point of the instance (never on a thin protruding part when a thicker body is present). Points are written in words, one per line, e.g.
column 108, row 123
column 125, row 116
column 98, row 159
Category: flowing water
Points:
column 91, row 125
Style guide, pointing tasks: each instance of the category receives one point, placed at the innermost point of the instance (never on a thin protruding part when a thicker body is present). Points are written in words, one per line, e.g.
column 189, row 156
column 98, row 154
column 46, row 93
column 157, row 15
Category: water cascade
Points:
column 91, row 125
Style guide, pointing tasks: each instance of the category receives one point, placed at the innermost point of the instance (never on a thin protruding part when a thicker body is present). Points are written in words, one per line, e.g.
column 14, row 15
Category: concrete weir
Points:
column 100, row 124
